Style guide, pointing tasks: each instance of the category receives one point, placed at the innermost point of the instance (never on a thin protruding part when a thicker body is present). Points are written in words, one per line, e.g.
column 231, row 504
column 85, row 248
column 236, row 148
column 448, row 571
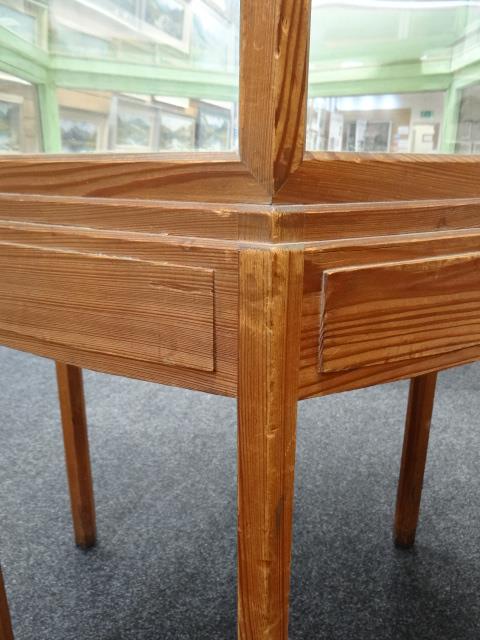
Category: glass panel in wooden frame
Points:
column 391, row 55
column 184, row 49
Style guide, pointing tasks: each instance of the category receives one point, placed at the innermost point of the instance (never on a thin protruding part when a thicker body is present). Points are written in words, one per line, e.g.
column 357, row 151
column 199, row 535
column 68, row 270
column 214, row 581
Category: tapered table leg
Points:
column 414, row 456
column 270, row 311
column 75, row 435
column 6, row 632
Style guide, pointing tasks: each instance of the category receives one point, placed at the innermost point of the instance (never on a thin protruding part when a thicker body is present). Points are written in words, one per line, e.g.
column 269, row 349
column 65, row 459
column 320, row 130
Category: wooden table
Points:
column 272, row 276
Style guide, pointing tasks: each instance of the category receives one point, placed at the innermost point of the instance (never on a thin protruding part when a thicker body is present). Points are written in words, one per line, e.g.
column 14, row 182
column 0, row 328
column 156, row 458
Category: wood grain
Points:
column 195, row 177
column 225, row 238
column 149, row 311
column 273, row 87
column 376, row 314
column 271, row 147
column 339, row 254
column 220, row 257
column 6, row 632
column 75, row 437
column 414, row 457
column 363, row 220
column 353, row 177
column 152, row 216
column 270, row 309
column 256, row 223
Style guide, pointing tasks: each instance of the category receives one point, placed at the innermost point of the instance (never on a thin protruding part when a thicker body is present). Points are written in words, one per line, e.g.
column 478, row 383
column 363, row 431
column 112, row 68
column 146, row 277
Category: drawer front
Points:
column 138, row 309
column 376, row 314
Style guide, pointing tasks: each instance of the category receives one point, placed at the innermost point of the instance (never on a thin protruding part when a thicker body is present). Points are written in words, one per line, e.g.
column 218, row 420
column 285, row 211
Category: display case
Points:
column 272, row 273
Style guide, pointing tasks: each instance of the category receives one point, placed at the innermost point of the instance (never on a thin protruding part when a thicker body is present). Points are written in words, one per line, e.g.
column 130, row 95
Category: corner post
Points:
column 273, row 88
column 271, row 287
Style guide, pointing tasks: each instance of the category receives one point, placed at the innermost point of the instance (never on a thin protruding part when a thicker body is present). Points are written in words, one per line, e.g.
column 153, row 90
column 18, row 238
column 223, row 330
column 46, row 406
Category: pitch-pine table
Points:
column 273, row 275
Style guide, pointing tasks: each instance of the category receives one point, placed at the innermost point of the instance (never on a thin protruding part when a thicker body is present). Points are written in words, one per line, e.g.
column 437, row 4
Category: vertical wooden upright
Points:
column 271, row 283
column 273, row 98
column 414, row 457
column 75, row 436
column 6, row 632
column 273, row 87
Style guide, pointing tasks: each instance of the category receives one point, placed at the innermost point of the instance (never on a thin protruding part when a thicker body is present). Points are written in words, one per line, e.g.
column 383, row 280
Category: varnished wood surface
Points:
column 174, row 218
column 414, row 456
column 354, row 177
column 273, row 87
column 364, row 220
column 222, row 258
column 375, row 314
column 6, row 632
column 270, row 151
column 143, row 310
column 210, row 256
column 75, row 437
column 195, row 177
column 347, row 253
column 273, row 224
column 245, row 206
column 270, row 308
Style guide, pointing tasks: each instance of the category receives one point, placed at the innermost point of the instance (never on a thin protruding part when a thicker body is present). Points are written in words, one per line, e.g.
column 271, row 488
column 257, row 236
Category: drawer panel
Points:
column 138, row 309
column 382, row 313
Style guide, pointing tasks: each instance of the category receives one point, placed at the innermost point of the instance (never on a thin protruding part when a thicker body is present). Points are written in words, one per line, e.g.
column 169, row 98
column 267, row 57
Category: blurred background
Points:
column 162, row 75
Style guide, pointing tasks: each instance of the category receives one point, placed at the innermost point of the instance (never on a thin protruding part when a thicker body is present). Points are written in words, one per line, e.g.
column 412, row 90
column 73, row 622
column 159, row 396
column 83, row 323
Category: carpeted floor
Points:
column 164, row 473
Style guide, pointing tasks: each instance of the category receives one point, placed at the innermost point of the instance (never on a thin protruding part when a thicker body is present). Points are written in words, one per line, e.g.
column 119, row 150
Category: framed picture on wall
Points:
column 135, row 126
column 166, row 15
column 177, row 132
column 10, row 124
column 21, row 19
column 170, row 18
column 214, row 128
column 83, row 131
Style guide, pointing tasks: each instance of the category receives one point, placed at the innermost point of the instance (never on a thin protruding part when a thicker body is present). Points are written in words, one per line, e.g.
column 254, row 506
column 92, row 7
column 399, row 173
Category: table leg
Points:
column 414, row 456
column 6, row 632
column 271, row 284
column 75, row 435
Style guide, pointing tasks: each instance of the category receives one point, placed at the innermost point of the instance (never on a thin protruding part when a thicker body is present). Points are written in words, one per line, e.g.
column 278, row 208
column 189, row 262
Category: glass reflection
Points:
column 394, row 76
column 119, row 75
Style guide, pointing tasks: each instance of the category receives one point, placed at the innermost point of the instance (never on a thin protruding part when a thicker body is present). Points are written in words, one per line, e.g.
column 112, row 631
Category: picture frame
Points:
column 11, row 107
column 214, row 128
column 176, row 131
column 134, row 126
column 83, row 131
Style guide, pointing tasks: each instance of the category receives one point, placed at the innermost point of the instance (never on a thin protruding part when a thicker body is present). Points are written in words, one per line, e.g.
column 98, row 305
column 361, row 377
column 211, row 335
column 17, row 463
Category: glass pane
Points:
column 119, row 75
column 19, row 118
column 395, row 76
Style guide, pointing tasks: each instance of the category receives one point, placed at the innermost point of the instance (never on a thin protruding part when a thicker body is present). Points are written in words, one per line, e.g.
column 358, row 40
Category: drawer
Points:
column 376, row 314
column 143, row 310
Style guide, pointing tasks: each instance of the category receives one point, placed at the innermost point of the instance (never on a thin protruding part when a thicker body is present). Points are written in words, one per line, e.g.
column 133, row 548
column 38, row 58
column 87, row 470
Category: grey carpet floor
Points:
column 164, row 473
